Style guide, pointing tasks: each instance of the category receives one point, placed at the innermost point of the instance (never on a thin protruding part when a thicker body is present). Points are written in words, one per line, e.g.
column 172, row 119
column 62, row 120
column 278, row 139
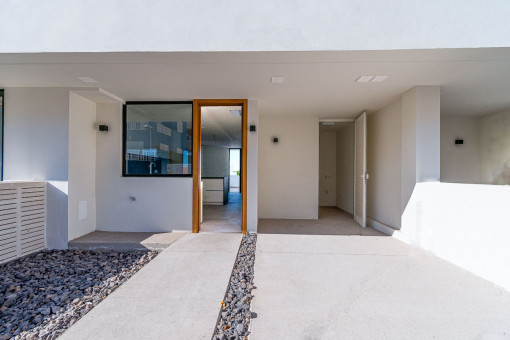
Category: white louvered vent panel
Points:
column 22, row 219
column 360, row 170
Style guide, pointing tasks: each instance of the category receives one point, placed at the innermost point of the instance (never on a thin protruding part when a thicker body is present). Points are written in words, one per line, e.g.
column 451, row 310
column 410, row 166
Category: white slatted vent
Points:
column 360, row 160
column 22, row 219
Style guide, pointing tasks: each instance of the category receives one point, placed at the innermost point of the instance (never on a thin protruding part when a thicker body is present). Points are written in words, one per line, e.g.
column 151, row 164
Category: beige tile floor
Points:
column 223, row 218
column 332, row 221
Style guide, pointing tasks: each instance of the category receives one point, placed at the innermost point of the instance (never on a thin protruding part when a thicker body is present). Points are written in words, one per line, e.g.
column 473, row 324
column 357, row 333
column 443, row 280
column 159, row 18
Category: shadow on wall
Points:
column 56, row 215
column 504, row 177
column 464, row 224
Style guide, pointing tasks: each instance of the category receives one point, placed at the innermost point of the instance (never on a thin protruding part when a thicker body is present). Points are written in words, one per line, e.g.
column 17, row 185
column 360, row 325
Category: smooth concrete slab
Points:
column 331, row 221
column 124, row 241
column 176, row 296
column 344, row 287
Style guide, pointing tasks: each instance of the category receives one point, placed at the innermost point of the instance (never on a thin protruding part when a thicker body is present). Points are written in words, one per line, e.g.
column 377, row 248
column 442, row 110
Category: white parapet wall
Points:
column 22, row 219
column 465, row 224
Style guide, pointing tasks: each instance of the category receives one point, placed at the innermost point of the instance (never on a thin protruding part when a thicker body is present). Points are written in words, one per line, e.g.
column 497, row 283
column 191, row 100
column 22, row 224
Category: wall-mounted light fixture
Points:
column 253, row 128
column 103, row 128
column 275, row 140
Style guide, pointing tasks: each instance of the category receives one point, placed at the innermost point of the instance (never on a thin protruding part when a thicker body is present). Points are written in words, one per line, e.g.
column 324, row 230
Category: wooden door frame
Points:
column 197, row 155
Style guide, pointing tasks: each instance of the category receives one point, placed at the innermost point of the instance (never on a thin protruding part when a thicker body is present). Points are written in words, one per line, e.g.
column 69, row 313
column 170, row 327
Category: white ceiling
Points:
column 334, row 126
column 220, row 127
column 321, row 84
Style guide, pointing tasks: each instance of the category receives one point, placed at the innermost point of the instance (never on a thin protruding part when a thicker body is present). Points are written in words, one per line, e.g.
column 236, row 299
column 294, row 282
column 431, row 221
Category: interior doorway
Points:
column 339, row 156
column 234, row 161
column 219, row 165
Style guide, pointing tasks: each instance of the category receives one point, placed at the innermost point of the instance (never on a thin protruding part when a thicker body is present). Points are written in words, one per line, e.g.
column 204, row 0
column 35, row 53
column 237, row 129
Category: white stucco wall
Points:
column 421, row 139
column 36, row 148
column 82, row 166
column 162, row 204
column 289, row 170
column 265, row 25
column 252, row 186
column 495, row 148
column 384, row 140
column 465, row 224
column 345, row 169
column 460, row 163
column 327, row 168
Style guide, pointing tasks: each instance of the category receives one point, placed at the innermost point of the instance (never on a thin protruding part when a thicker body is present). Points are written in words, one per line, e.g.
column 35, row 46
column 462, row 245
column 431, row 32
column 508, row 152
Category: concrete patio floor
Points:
column 332, row 221
column 176, row 296
column 368, row 287
column 124, row 241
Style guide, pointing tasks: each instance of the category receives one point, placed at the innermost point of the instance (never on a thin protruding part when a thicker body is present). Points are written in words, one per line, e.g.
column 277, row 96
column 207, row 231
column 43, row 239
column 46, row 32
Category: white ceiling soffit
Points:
column 98, row 95
column 220, row 127
column 319, row 84
column 334, row 126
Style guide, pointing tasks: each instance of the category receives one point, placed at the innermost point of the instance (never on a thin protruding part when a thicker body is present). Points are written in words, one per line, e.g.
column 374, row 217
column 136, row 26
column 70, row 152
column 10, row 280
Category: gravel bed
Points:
column 43, row 294
column 235, row 314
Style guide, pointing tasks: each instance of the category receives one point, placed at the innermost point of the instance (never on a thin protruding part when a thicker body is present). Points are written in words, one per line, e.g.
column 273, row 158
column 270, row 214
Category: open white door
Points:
column 360, row 169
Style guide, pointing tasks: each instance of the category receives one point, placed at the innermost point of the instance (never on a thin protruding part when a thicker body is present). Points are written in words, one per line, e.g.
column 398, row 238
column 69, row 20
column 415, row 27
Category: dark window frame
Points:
column 2, row 94
column 124, row 129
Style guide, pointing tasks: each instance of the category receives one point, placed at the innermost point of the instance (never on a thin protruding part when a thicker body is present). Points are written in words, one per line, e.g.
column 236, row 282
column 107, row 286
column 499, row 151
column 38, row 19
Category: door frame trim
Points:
column 197, row 155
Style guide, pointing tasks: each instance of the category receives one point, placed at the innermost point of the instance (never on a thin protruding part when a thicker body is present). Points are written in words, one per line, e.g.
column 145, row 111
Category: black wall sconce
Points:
column 253, row 128
column 275, row 140
column 103, row 128
column 459, row 141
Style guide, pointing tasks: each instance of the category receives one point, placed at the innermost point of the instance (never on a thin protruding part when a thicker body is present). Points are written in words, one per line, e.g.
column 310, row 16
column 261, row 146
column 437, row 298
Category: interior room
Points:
column 221, row 168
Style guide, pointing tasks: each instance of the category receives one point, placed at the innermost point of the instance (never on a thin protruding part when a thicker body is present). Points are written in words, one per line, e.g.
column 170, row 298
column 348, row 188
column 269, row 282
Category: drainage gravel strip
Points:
column 235, row 315
column 43, row 294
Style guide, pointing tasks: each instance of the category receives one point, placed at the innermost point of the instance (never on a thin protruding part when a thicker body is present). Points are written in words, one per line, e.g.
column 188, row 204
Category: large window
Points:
column 158, row 139
column 1, row 135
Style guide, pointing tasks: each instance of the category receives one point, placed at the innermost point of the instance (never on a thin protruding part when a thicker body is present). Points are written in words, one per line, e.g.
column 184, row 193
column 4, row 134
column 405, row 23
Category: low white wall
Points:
column 384, row 140
column 327, row 168
column 36, row 139
column 162, row 204
column 82, row 166
column 264, row 25
column 215, row 161
column 289, row 170
column 460, row 163
column 465, row 224
column 345, row 169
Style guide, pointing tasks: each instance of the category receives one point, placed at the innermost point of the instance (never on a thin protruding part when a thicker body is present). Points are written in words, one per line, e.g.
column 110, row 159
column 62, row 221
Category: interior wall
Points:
column 460, row 163
column 345, row 169
column 495, row 148
column 36, row 135
column 289, row 170
column 327, row 168
column 384, row 140
column 82, row 166
column 215, row 161
column 161, row 204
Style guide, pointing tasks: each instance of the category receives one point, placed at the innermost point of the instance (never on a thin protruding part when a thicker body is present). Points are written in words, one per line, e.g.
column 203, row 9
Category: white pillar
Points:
column 420, row 138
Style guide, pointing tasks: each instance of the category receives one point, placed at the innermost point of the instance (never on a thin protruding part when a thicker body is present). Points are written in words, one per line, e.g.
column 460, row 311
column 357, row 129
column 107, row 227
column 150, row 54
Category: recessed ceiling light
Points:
column 87, row 80
column 364, row 79
column 378, row 79
column 278, row 80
